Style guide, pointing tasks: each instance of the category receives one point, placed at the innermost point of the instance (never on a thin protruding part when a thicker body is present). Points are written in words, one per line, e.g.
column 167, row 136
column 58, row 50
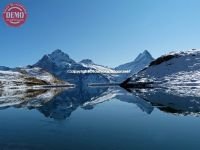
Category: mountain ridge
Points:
column 58, row 63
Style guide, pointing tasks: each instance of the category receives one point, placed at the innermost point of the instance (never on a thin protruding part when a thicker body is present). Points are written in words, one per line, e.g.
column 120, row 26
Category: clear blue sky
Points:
column 110, row 32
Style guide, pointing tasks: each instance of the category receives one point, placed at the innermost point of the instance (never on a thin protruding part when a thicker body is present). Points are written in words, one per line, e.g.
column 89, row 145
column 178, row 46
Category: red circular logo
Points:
column 15, row 14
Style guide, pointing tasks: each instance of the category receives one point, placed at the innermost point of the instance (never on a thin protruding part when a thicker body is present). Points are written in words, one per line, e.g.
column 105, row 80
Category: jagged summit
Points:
column 58, row 53
column 144, row 55
column 57, row 59
column 58, row 56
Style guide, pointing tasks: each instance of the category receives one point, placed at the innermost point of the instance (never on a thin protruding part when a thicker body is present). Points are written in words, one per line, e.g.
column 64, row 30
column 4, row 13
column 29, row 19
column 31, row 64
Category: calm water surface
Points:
column 100, row 118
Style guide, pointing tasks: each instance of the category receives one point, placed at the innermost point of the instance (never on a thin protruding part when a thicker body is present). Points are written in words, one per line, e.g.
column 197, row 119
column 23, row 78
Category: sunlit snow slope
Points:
column 180, row 68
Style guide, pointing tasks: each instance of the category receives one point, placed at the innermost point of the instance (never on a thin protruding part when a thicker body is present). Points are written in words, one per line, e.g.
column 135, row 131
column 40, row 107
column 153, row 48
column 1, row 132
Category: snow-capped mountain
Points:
column 63, row 67
column 173, row 69
column 59, row 65
column 57, row 62
column 140, row 62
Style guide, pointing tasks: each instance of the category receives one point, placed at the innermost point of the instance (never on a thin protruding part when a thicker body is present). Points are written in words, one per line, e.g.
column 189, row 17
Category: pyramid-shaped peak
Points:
column 144, row 55
column 146, row 52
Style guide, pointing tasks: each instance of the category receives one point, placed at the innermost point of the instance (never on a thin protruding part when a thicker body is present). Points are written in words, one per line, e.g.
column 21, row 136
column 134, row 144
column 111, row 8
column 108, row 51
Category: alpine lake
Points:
column 100, row 118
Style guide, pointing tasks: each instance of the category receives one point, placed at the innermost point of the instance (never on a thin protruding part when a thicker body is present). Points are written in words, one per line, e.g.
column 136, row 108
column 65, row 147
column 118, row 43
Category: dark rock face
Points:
column 46, row 64
column 162, row 59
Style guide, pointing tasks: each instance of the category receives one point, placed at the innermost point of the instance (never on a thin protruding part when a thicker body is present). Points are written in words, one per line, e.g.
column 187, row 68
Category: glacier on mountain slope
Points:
column 91, row 65
column 110, row 74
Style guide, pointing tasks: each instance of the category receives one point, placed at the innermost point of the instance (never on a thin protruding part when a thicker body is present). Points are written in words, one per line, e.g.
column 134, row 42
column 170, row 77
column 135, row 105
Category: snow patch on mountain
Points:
column 20, row 78
column 11, row 79
column 41, row 74
column 99, row 68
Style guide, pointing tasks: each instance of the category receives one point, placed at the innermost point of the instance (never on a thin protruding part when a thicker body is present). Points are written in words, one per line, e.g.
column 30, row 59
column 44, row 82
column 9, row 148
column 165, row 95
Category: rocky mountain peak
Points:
column 144, row 55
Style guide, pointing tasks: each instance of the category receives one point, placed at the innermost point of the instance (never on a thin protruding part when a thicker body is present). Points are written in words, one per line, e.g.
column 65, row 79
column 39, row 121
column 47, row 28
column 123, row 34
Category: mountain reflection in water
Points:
column 60, row 103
